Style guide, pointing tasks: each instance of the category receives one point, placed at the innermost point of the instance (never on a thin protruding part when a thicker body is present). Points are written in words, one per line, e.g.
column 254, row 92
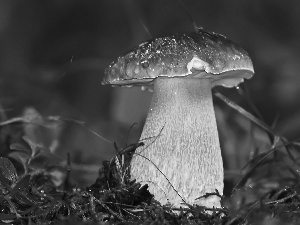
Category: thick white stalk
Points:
column 181, row 139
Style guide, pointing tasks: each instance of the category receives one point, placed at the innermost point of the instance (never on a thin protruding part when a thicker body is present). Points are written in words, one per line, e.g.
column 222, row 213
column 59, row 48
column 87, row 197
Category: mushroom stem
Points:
column 186, row 150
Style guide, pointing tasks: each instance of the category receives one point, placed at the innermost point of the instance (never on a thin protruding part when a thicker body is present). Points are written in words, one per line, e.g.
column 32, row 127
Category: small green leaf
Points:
column 19, row 147
column 23, row 199
column 7, row 170
column 4, row 180
column 22, row 185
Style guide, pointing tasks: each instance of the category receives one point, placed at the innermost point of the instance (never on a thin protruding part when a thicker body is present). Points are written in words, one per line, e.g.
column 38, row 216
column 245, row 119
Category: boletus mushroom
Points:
column 181, row 159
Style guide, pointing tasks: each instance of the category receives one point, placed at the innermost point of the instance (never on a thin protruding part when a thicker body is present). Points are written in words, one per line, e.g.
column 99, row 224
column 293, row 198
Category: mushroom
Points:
column 181, row 159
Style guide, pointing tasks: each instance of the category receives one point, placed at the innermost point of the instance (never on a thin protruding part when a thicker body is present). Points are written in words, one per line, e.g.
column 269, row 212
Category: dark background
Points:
column 53, row 55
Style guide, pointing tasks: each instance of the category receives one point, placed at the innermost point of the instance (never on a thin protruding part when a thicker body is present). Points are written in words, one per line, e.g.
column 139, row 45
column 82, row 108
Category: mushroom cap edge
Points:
column 199, row 54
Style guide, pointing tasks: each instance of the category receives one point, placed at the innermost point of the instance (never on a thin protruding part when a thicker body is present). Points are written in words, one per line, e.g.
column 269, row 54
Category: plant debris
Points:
column 35, row 188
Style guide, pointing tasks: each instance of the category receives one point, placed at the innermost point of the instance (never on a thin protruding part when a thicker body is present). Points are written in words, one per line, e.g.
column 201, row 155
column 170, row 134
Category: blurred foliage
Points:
column 57, row 50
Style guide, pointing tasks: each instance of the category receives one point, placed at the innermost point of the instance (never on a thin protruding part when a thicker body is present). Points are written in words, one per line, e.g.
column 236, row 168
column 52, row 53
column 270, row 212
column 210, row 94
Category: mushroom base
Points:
column 181, row 160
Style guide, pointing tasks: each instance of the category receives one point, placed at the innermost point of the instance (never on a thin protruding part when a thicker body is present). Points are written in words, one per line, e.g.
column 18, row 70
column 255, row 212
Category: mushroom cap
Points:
column 198, row 54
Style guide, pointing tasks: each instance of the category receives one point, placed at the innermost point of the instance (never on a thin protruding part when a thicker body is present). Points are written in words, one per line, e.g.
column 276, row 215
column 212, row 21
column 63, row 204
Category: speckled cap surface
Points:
column 198, row 54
